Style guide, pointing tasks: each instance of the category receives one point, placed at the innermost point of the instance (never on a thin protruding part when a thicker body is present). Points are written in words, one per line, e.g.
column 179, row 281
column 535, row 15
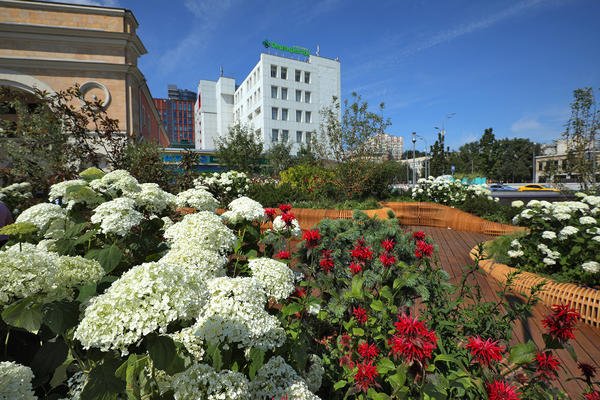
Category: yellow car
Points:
column 527, row 188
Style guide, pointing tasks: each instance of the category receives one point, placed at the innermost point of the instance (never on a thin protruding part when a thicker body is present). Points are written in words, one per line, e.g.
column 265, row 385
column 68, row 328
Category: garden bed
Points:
column 585, row 300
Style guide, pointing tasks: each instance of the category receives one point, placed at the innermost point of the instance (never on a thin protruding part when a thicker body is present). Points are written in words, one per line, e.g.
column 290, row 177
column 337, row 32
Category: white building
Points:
column 280, row 100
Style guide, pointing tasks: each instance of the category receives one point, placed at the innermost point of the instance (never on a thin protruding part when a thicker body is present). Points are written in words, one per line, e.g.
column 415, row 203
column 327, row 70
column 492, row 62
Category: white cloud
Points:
column 526, row 125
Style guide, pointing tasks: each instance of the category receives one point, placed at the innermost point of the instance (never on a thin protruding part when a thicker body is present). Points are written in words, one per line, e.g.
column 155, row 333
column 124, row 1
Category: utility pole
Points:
column 414, row 141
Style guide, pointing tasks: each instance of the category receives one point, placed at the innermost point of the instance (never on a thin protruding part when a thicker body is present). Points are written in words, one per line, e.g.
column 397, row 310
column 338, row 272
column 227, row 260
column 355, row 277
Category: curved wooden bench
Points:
column 585, row 300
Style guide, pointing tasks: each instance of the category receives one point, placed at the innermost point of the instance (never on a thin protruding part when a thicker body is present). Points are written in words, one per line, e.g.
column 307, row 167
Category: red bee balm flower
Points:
column 595, row 395
column 300, row 292
column 288, row 218
column 423, row 249
column 285, row 207
column 270, row 213
column 547, row 366
column 500, row 390
column 360, row 315
column 311, row 238
column 362, row 253
column 368, row 351
column 486, row 351
column 388, row 244
column 413, row 342
column 326, row 261
column 365, row 376
column 345, row 340
column 387, row 259
column 561, row 322
column 355, row 268
column 346, row 361
column 419, row 235
column 283, row 255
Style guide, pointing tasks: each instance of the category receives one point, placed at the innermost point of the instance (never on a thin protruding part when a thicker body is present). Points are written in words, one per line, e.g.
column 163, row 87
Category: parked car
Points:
column 497, row 187
column 537, row 188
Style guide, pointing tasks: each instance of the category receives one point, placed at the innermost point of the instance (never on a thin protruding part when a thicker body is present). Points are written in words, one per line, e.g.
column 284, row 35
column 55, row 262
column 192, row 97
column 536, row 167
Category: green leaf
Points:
column 356, row 291
column 377, row 305
column 551, row 342
column 129, row 371
column 109, row 256
column 522, row 353
column 47, row 359
column 446, row 358
column 358, row 331
column 339, row 384
column 398, row 379
column 386, row 293
column 257, row 359
column 61, row 315
column 163, row 353
column 373, row 394
column 25, row 314
column 102, row 383
column 385, row 365
column 291, row 308
column 252, row 254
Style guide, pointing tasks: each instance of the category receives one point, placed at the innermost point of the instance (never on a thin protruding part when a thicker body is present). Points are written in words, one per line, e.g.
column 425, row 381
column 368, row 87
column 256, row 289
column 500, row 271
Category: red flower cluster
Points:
column 368, row 351
column 388, row 244
column 312, row 238
column 500, row 390
column 346, row 361
column 360, row 252
column 365, row 376
column 283, row 255
column 285, row 208
column 561, row 322
column 326, row 261
column 413, row 341
column 547, row 366
column 387, row 259
column 300, row 292
column 345, row 340
column 360, row 315
column 355, row 267
column 288, row 218
column 270, row 213
column 423, row 249
column 419, row 235
column 595, row 395
column 486, row 351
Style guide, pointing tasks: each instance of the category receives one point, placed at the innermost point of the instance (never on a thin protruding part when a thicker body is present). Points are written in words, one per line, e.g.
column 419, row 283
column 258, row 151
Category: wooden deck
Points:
column 453, row 252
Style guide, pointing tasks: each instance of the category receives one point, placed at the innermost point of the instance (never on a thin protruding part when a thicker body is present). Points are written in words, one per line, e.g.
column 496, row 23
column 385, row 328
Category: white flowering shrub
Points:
column 115, row 184
column 16, row 196
column 151, row 198
column 117, row 216
column 225, row 186
column 562, row 240
column 243, row 209
column 73, row 192
column 27, row 270
column 15, row 382
column 203, row 229
column 146, row 299
column 276, row 379
column 198, row 198
column 201, row 381
column 446, row 191
column 276, row 278
column 41, row 215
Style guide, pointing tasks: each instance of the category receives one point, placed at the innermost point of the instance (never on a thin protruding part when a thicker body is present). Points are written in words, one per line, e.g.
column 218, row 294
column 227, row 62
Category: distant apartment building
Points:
column 52, row 46
column 386, row 147
column 551, row 165
column 177, row 115
column 280, row 100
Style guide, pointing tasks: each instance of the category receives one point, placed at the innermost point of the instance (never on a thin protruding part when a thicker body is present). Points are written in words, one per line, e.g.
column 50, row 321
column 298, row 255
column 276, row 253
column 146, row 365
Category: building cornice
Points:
column 63, row 34
column 77, row 65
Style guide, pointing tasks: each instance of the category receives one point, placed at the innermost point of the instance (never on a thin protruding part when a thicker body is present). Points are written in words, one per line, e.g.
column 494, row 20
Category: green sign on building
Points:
column 293, row 49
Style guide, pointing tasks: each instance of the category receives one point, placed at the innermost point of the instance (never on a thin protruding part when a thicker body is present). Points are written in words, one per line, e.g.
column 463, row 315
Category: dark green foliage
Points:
column 272, row 194
column 143, row 160
column 240, row 150
column 488, row 209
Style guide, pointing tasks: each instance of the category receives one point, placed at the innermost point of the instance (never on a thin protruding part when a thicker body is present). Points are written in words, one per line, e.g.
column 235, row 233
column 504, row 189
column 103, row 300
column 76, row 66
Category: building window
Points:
column 284, row 114
column 298, row 95
column 283, row 73
column 274, row 135
column 298, row 74
column 273, row 92
column 307, row 97
column 274, row 112
column 298, row 136
column 284, row 93
column 308, row 137
column 308, row 117
column 298, row 116
column 306, row 77
column 285, row 135
column 273, row 71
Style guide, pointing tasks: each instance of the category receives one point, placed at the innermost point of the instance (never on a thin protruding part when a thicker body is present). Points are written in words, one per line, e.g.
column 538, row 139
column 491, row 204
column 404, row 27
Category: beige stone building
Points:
column 551, row 165
column 52, row 46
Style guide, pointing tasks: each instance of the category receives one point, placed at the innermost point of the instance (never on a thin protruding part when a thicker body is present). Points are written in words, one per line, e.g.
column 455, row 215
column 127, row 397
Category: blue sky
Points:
column 507, row 64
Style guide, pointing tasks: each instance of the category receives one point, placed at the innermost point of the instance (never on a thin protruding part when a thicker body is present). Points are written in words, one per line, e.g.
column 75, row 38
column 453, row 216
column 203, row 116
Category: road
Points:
column 507, row 197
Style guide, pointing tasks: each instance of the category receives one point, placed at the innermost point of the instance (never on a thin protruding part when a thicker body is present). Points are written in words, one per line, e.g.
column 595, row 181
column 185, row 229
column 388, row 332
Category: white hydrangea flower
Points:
column 198, row 198
column 592, row 200
column 596, row 239
column 235, row 313
column 549, row 261
column 15, row 382
column 147, row 298
column 203, row 229
column 517, row 204
column 190, row 341
column 313, row 309
column 587, row 220
column 527, row 213
column 116, row 183
column 27, row 270
column 515, row 253
column 244, row 209
column 276, row 277
column 591, row 266
column 117, row 216
column 42, row 214
column 567, row 231
column 515, row 244
column 562, row 216
column 47, row 245
column 314, row 375
column 168, row 222
column 276, row 379
column 201, row 381
column 280, row 226
column 208, row 263
column 549, row 235
column 151, row 198
column 59, row 190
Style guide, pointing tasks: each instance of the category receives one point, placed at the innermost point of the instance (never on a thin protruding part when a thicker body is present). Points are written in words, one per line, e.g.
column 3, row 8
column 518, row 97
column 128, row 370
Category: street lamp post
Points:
column 414, row 141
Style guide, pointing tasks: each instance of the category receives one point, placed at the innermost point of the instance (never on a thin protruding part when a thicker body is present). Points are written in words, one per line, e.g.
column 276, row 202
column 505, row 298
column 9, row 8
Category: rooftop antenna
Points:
column 318, row 51
column 221, row 70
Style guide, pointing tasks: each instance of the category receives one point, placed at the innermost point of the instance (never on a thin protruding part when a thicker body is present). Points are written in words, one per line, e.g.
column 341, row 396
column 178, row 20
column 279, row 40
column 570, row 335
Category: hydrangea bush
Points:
column 225, row 186
column 447, row 191
column 562, row 241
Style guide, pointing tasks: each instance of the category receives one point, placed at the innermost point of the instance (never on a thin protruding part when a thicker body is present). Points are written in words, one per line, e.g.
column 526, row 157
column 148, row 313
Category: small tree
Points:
column 240, row 149
column 580, row 134
column 143, row 160
column 187, row 170
column 279, row 158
